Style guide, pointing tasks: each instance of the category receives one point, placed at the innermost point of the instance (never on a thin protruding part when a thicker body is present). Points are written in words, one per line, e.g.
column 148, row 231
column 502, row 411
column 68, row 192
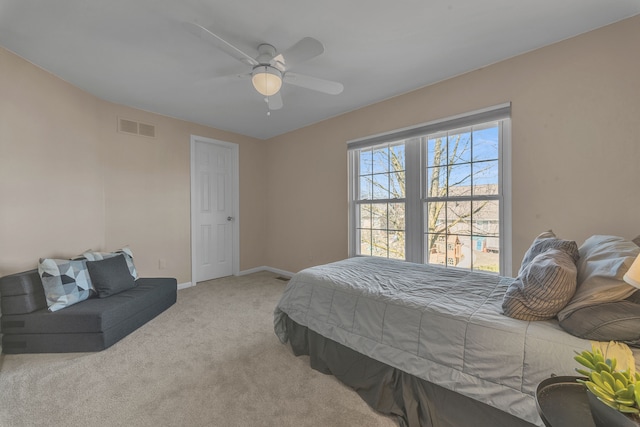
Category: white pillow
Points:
column 603, row 261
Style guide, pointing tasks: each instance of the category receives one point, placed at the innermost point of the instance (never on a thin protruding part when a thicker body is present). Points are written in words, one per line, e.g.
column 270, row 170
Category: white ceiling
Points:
column 139, row 52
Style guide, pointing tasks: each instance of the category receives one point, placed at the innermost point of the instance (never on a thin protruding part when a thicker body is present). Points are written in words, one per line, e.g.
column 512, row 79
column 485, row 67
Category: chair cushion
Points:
column 94, row 314
column 22, row 293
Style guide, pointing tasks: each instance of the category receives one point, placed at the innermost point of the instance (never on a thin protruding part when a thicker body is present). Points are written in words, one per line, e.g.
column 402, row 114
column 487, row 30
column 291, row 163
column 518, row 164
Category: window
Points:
column 461, row 203
column 435, row 194
column 381, row 201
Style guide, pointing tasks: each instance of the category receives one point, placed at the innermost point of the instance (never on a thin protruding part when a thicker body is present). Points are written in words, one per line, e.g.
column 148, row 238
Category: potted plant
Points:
column 614, row 395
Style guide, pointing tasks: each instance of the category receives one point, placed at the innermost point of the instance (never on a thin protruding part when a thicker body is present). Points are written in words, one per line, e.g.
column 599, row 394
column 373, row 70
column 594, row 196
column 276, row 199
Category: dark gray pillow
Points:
column 611, row 321
column 110, row 276
column 543, row 287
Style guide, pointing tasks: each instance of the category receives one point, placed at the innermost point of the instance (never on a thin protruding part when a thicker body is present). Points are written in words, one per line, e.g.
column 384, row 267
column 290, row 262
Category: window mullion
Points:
column 413, row 206
column 352, row 195
column 505, row 198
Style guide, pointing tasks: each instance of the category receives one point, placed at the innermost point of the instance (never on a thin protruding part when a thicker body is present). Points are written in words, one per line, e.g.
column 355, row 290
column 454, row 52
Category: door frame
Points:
column 235, row 187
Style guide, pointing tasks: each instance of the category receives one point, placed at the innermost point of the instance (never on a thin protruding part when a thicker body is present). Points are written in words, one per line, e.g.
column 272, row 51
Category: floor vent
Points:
column 136, row 128
column 284, row 279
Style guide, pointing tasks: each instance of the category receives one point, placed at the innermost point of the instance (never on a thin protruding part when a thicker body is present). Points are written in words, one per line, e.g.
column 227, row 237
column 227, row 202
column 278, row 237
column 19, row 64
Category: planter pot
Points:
column 605, row 416
column 561, row 402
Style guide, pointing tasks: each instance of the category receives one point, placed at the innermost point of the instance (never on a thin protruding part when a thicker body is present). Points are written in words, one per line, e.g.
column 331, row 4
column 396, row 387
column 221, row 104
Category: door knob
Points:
column 229, row 218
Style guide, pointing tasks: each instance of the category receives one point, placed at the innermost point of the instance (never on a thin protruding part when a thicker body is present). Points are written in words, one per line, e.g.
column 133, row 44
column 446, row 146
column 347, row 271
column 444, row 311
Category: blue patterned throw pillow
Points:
column 65, row 282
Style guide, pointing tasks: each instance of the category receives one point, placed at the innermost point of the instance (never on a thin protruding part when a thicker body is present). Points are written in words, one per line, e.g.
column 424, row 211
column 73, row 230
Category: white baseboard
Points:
column 185, row 285
column 245, row 272
column 266, row 268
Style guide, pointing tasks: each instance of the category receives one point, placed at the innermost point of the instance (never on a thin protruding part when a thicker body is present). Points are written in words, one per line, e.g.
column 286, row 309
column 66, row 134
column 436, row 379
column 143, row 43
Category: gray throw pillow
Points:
column 543, row 287
column 603, row 262
column 110, row 276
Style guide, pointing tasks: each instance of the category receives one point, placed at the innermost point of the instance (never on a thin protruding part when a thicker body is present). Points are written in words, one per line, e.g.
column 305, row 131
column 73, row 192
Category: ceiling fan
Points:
column 270, row 69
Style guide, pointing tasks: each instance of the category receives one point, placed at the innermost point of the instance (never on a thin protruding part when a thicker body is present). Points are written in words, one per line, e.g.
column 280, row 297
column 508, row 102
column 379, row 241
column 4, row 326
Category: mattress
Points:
column 442, row 325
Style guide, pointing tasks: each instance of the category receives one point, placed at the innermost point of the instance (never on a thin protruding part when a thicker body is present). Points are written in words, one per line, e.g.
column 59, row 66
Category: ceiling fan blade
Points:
column 228, row 78
column 220, row 43
column 304, row 50
column 274, row 101
column 314, row 83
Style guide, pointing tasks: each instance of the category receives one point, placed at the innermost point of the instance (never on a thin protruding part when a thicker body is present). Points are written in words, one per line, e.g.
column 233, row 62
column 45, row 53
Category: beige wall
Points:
column 575, row 147
column 70, row 182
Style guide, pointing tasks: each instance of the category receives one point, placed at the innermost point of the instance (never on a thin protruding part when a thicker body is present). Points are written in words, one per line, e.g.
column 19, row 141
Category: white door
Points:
column 213, row 213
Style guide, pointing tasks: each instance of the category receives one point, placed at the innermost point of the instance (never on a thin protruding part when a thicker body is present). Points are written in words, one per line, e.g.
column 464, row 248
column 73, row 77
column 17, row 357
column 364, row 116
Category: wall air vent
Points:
column 136, row 128
column 127, row 126
column 146, row 130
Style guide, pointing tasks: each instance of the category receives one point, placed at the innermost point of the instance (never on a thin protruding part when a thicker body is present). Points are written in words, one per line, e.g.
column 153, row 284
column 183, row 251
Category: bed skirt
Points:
column 413, row 402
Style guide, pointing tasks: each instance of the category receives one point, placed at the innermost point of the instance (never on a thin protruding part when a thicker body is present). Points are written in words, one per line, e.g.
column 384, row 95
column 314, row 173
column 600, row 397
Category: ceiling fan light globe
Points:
column 266, row 80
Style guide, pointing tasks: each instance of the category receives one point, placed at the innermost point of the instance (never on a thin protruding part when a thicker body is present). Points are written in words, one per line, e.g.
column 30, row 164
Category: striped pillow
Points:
column 544, row 242
column 543, row 287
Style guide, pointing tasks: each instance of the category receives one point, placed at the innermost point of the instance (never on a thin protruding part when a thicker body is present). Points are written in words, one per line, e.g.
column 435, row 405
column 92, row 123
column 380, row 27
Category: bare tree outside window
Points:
column 382, row 207
column 461, row 201
column 461, row 207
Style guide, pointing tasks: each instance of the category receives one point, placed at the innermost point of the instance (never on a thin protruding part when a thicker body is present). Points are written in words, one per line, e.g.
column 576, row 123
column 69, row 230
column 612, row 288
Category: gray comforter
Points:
column 442, row 325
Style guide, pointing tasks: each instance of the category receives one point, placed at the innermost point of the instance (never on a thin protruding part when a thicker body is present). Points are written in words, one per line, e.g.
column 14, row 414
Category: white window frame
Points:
column 415, row 158
column 373, row 200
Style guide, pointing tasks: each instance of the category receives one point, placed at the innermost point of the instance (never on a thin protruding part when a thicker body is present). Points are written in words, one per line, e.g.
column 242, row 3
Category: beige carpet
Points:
column 212, row 359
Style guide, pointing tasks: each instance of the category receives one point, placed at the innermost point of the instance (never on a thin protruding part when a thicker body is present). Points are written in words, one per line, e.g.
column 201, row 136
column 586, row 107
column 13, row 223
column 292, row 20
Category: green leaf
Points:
column 584, row 362
column 583, row 372
column 619, row 376
column 626, row 402
column 599, row 392
column 603, row 367
column 628, row 409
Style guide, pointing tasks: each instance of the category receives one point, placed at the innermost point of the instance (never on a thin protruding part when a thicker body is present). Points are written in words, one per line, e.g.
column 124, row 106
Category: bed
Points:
column 421, row 342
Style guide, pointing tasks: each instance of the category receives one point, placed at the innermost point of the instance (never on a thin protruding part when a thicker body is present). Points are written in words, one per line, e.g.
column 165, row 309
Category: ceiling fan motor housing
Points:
column 266, row 53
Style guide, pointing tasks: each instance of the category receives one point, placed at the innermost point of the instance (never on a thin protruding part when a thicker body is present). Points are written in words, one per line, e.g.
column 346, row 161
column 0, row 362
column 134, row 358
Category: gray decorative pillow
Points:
column 603, row 262
column 128, row 255
column 611, row 321
column 546, row 241
column 543, row 287
column 110, row 276
column 65, row 282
